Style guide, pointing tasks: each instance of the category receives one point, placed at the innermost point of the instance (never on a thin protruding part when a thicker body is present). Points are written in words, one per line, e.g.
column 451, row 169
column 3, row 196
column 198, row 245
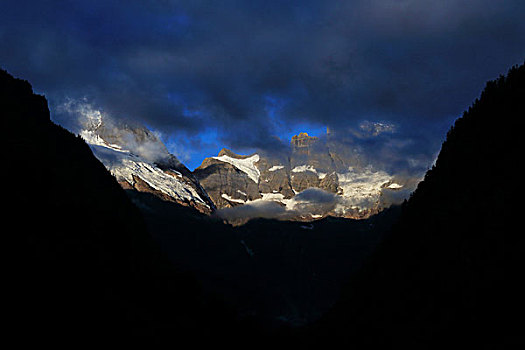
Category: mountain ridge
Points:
column 140, row 161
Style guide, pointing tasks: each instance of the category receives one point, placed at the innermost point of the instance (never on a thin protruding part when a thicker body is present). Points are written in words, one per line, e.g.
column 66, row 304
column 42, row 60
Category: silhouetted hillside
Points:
column 83, row 269
column 450, row 272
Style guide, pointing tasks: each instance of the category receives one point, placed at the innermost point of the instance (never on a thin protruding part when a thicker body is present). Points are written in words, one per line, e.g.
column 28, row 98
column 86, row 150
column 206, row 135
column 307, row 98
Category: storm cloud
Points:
column 246, row 74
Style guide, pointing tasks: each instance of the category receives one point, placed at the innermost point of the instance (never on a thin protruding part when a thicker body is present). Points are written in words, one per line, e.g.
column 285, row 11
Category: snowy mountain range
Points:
column 311, row 180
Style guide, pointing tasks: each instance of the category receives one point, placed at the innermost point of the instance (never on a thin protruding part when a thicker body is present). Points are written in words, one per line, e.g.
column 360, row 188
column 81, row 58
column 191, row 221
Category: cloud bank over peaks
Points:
column 244, row 69
column 97, row 126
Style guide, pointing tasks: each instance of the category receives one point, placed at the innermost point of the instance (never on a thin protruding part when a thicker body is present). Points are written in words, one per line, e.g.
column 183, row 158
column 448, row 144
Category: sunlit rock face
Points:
column 140, row 161
column 346, row 186
column 229, row 179
column 302, row 142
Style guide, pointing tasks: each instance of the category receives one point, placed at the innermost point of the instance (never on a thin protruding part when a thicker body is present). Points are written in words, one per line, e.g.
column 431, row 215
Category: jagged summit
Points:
column 229, row 153
column 303, row 140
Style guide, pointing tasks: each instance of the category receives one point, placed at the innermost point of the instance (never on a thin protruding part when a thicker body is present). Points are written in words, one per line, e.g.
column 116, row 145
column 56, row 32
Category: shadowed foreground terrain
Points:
column 83, row 268
column 279, row 271
column 450, row 271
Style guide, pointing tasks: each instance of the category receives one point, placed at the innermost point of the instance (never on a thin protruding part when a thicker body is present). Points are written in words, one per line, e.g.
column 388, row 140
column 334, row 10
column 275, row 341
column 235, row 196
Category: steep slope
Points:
column 449, row 272
column 139, row 160
column 82, row 269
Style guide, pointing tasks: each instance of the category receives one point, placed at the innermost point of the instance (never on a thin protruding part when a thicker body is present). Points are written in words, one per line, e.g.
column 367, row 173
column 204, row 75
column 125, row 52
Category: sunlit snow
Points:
column 228, row 198
column 246, row 165
column 124, row 165
column 276, row 167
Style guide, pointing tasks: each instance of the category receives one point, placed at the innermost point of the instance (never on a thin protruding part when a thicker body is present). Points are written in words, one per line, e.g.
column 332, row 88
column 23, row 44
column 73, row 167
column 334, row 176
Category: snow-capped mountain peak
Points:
column 139, row 160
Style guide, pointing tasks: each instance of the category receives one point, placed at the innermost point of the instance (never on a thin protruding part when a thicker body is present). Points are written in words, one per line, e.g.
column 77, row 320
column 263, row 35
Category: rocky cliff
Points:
column 353, row 188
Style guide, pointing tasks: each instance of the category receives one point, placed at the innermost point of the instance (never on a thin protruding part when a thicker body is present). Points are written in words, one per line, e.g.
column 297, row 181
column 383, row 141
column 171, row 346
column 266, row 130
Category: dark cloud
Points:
column 247, row 68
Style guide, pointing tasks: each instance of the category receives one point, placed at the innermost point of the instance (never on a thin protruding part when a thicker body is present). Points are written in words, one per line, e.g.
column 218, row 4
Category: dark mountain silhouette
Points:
column 449, row 273
column 83, row 269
